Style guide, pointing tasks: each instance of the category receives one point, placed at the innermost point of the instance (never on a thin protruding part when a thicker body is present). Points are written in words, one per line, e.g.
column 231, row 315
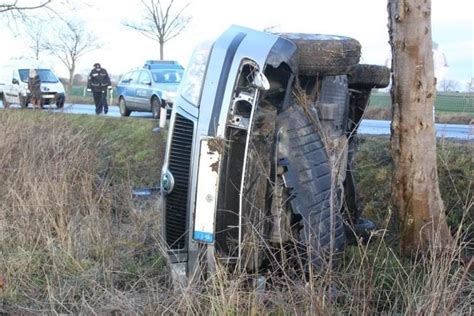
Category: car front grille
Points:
column 179, row 165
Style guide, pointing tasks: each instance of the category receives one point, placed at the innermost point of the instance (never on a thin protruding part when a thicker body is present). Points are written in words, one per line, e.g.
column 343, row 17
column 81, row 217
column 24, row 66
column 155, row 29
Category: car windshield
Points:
column 45, row 75
column 167, row 75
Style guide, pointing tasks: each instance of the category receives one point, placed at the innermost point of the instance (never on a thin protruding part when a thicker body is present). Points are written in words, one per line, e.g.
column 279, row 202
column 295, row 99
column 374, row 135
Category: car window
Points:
column 126, row 78
column 144, row 77
column 45, row 75
column 134, row 77
column 167, row 75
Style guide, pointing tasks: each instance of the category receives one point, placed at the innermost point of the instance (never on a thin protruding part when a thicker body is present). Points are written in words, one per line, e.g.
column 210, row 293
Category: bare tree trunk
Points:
column 162, row 49
column 69, row 84
column 415, row 189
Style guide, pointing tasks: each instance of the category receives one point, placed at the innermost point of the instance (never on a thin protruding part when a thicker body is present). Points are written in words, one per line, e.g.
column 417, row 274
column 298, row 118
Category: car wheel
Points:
column 23, row 102
column 324, row 54
column 60, row 103
column 368, row 76
column 317, row 224
column 155, row 108
column 123, row 107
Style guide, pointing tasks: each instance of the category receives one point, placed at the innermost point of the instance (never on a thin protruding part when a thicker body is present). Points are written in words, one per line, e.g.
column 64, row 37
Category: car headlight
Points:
column 191, row 86
column 169, row 96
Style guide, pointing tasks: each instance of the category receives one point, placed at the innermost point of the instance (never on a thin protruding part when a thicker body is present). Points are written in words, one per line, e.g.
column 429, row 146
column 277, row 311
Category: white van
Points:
column 14, row 84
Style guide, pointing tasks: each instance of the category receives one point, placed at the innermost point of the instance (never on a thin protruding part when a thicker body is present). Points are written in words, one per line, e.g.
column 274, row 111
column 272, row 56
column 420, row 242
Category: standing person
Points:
column 98, row 82
column 34, row 85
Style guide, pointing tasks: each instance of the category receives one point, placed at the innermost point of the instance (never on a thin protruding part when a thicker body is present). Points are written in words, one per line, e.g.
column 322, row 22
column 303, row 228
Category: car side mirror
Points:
column 15, row 81
column 260, row 81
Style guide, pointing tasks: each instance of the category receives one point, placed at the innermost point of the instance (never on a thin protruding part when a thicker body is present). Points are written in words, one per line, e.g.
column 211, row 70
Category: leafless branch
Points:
column 18, row 6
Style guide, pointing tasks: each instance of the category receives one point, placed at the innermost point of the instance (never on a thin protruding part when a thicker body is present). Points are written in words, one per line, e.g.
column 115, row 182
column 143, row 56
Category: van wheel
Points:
column 317, row 224
column 23, row 102
column 123, row 107
column 155, row 108
column 324, row 54
column 60, row 103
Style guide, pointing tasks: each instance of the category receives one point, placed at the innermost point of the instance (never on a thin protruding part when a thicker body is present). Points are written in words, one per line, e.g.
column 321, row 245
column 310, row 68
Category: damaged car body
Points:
column 259, row 144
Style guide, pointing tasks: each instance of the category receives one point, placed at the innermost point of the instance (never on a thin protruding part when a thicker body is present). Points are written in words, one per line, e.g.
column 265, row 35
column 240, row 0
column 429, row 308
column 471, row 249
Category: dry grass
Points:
column 72, row 242
column 70, row 237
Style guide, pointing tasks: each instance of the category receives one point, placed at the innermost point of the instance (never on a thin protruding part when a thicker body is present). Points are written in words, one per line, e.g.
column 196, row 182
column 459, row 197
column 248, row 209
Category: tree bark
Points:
column 415, row 189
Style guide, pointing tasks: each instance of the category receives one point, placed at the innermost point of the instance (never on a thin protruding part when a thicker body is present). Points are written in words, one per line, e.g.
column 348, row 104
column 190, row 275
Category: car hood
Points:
column 170, row 87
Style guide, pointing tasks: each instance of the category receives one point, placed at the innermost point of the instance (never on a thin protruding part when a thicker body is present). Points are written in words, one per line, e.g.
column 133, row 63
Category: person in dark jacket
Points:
column 34, row 85
column 98, row 82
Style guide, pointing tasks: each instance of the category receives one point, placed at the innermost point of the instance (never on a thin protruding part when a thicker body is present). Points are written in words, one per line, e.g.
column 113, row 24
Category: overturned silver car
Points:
column 259, row 153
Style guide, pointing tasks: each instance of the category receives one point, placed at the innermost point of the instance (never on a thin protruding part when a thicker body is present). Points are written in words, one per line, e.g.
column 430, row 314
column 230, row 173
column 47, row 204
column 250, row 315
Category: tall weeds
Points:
column 69, row 235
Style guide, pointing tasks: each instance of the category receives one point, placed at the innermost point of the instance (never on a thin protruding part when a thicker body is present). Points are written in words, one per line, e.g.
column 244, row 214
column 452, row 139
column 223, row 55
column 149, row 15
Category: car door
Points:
column 130, row 90
column 14, row 88
column 144, row 91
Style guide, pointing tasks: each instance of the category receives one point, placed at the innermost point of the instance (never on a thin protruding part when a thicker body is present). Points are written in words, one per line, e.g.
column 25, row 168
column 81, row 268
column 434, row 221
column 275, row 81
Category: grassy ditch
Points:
column 71, row 240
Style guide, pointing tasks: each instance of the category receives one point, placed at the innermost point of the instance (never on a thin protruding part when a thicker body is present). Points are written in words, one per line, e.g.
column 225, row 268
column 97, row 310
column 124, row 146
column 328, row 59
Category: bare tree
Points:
column 161, row 21
column 415, row 189
column 470, row 85
column 447, row 85
column 71, row 42
column 35, row 31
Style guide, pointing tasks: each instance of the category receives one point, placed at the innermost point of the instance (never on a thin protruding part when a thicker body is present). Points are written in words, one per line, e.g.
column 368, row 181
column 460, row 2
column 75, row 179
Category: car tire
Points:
column 23, row 102
column 124, row 111
column 318, row 227
column 156, row 108
column 60, row 103
column 368, row 76
column 322, row 55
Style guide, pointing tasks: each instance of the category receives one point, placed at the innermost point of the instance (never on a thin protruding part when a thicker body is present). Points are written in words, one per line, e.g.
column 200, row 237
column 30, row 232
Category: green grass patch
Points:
column 445, row 102
column 133, row 151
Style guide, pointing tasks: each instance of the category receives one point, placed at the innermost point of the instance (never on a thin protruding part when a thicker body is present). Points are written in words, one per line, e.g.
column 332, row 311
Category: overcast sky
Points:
column 364, row 20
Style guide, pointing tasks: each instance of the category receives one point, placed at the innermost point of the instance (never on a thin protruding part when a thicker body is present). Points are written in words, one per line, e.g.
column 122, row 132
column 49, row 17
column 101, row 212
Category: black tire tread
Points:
column 308, row 176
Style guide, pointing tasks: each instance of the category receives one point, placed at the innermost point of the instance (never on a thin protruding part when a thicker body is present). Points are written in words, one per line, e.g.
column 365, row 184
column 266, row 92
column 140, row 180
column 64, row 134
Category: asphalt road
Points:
column 367, row 127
